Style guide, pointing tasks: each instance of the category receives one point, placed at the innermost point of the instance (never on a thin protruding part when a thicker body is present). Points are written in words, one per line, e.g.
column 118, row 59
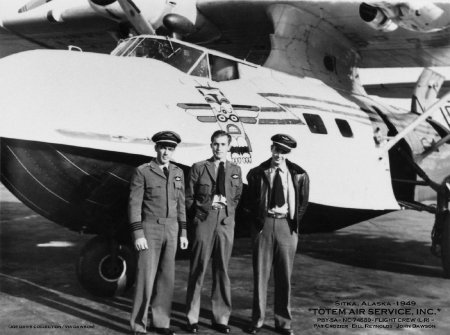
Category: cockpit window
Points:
column 125, row 46
column 223, row 69
column 178, row 55
column 201, row 69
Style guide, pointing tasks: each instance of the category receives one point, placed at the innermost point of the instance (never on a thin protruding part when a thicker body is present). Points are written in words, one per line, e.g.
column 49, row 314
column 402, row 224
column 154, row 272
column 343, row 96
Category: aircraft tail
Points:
column 426, row 90
column 424, row 96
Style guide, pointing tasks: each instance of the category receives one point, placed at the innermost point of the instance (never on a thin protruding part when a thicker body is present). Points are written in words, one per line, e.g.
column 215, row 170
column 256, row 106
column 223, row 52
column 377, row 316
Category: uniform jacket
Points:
column 259, row 192
column 202, row 186
column 151, row 200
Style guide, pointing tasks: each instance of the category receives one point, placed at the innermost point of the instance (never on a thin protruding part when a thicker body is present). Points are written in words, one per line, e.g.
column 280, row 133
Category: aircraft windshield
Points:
column 181, row 56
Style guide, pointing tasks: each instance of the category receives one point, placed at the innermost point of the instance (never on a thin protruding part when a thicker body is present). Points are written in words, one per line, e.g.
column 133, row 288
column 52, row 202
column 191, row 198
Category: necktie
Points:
column 166, row 173
column 220, row 189
column 277, row 198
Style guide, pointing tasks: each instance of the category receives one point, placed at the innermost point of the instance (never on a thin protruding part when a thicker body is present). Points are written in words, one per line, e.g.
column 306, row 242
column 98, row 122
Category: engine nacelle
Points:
column 376, row 18
column 421, row 16
column 411, row 15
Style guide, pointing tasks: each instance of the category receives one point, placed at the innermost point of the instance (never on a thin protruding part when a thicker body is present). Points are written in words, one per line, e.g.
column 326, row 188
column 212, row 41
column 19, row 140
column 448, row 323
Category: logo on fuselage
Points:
column 241, row 150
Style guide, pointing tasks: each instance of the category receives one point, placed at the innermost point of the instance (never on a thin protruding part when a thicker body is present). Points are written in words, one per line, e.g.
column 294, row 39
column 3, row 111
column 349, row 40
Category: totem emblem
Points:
column 241, row 150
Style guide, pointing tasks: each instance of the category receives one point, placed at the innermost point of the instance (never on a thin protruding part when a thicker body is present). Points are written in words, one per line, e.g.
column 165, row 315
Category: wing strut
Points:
column 443, row 104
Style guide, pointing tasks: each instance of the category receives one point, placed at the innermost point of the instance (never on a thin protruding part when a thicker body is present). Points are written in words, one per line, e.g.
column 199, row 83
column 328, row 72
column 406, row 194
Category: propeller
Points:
column 32, row 4
column 176, row 24
column 137, row 20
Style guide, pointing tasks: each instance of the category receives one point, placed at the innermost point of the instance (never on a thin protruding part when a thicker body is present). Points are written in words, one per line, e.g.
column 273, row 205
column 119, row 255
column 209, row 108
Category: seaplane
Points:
column 86, row 83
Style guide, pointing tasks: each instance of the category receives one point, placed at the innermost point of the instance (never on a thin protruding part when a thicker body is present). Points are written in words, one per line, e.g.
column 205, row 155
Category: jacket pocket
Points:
column 154, row 190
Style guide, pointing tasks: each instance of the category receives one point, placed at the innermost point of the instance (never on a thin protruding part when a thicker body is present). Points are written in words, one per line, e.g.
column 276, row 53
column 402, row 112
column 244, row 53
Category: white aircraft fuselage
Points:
column 75, row 125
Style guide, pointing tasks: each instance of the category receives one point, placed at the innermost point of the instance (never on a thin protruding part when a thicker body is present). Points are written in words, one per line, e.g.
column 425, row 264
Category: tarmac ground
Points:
column 377, row 277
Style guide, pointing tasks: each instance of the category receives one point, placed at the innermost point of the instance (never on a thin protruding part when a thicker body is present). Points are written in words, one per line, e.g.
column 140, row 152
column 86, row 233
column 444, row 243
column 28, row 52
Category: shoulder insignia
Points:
column 235, row 176
column 177, row 178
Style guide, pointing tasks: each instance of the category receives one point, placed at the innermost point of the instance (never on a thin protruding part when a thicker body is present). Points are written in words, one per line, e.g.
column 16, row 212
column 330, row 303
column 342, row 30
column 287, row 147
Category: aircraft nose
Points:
column 89, row 99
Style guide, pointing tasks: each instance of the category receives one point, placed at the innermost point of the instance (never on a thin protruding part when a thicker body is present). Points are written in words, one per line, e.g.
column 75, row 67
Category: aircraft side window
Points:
column 201, row 70
column 344, row 127
column 315, row 123
column 223, row 69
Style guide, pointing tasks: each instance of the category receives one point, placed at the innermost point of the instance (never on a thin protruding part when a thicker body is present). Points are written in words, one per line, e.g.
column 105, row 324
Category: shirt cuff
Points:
column 182, row 224
column 183, row 233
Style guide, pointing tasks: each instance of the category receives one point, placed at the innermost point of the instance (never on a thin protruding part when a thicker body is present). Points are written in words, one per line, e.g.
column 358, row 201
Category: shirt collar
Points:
column 282, row 167
column 217, row 162
column 163, row 165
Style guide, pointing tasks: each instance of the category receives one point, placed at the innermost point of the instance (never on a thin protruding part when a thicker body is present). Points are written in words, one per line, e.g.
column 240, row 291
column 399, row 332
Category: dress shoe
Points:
column 164, row 331
column 284, row 331
column 224, row 329
column 253, row 330
column 192, row 328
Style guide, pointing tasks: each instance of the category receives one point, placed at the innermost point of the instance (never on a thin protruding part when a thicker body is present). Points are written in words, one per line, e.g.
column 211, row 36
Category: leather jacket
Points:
column 258, row 196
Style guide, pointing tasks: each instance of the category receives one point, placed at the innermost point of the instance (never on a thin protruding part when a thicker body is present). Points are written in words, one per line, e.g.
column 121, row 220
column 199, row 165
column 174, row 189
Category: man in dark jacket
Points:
column 213, row 192
column 156, row 211
column 277, row 199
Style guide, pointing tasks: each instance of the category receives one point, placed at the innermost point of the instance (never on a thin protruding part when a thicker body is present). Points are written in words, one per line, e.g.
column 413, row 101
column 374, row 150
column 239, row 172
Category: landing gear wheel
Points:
column 446, row 244
column 103, row 272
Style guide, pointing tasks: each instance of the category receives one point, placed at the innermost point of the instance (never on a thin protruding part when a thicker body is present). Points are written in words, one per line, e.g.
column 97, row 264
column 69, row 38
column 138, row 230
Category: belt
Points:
column 217, row 206
column 277, row 215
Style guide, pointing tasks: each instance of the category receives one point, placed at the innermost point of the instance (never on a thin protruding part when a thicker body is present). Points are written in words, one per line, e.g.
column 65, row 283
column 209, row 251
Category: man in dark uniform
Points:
column 156, row 211
column 214, row 190
column 277, row 200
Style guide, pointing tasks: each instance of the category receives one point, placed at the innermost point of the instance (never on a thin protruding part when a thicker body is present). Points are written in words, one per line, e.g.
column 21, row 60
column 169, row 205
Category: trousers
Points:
column 155, row 275
column 274, row 246
column 212, row 239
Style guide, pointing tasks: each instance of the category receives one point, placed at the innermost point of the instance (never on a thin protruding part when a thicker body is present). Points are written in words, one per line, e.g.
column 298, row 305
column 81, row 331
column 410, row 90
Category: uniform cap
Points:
column 284, row 142
column 166, row 137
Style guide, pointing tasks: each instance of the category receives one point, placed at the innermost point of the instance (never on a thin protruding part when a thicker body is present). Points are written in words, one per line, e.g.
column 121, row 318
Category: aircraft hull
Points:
column 87, row 189
column 81, row 189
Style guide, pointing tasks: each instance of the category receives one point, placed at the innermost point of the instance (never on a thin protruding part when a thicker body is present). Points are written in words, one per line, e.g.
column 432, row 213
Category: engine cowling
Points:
column 424, row 17
column 376, row 18
column 412, row 15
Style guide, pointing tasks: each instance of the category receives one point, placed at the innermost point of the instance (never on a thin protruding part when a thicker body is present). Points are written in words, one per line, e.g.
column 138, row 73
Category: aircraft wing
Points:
column 55, row 24
column 398, row 90
column 245, row 27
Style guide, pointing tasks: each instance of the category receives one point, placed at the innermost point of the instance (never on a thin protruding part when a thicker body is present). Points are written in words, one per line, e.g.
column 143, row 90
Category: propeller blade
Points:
column 137, row 20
